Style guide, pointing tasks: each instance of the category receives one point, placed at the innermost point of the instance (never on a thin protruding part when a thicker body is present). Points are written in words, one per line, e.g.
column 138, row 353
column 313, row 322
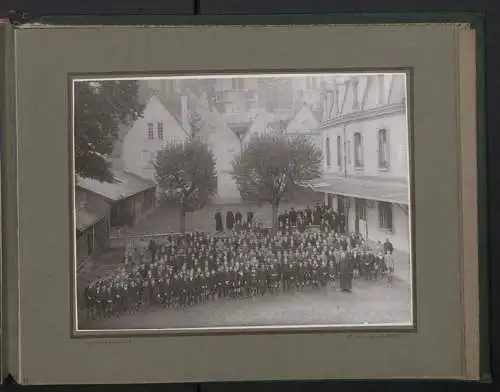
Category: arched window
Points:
column 383, row 149
column 340, row 157
column 358, row 150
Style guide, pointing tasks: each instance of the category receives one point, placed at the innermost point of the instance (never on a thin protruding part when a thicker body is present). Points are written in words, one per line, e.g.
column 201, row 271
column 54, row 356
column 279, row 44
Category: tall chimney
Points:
column 185, row 114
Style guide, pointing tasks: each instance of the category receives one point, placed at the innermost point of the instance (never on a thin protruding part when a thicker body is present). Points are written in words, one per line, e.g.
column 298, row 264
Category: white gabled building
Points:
column 138, row 145
column 224, row 144
column 305, row 122
column 365, row 144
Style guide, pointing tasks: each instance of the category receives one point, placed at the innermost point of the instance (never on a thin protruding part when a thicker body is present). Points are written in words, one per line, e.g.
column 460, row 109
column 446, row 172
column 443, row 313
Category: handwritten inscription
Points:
column 374, row 335
column 108, row 341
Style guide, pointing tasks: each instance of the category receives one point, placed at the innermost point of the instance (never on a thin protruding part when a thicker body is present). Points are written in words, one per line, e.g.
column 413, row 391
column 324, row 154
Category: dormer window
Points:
column 337, row 100
column 355, row 93
column 381, row 89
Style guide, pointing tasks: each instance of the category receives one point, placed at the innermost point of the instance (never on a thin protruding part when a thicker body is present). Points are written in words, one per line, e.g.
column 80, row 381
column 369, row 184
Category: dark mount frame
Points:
column 484, row 14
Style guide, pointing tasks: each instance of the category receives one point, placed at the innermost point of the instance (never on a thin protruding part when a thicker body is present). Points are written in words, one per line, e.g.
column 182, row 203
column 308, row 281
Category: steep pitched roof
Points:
column 154, row 94
column 145, row 95
column 260, row 123
column 212, row 121
column 300, row 109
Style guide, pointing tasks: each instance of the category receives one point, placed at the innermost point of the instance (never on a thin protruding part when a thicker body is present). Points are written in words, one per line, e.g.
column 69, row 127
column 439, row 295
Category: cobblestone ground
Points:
column 369, row 303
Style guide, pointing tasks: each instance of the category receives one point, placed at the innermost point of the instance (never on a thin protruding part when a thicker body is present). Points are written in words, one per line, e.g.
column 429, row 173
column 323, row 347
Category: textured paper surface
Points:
column 2, row 125
column 44, row 59
column 9, row 210
column 468, row 121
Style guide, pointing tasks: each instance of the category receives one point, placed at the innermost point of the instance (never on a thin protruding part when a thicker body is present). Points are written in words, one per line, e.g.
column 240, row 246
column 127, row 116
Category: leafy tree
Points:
column 272, row 164
column 186, row 175
column 100, row 107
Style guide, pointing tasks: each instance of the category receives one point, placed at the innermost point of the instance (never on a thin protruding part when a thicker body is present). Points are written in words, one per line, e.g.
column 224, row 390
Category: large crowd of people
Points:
column 180, row 270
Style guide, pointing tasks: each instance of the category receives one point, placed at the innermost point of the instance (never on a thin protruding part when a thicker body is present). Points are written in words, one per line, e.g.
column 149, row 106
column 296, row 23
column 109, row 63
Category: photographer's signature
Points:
column 385, row 335
column 108, row 341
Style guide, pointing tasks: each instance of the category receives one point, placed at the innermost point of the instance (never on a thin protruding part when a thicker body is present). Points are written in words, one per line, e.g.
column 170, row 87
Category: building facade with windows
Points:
column 137, row 147
column 190, row 102
column 366, row 169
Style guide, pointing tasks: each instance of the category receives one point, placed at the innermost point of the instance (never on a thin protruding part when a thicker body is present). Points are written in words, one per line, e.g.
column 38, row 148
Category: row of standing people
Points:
column 233, row 220
column 320, row 215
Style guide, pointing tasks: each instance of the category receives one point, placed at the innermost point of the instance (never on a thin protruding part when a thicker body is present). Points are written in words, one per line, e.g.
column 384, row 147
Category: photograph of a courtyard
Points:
column 242, row 201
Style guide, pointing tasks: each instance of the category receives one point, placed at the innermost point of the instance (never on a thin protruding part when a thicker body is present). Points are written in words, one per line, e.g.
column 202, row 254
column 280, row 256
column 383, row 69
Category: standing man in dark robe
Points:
column 286, row 218
column 345, row 278
column 341, row 222
column 229, row 220
column 331, row 220
column 335, row 221
column 293, row 217
column 308, row 215
column 388, row 247
column 238, row 217
column 152, row 249
column 388, row 258
column 249, row 218
column 218, row 221
column 317, row 216
column 281, row 220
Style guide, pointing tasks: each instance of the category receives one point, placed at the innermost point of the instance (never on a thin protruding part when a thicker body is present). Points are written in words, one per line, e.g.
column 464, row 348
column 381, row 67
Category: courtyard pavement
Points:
column 369, row 303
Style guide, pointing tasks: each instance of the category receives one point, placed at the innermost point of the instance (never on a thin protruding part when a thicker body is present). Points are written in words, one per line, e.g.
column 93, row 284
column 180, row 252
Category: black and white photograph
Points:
column 242, row 201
